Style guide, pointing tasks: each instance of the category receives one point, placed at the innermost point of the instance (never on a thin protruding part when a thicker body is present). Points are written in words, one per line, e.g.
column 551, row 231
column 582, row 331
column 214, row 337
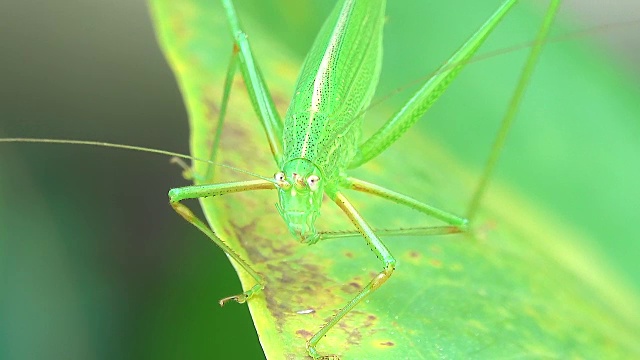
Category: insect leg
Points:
column 456, row 224
column 514, row 104
column 228, row 82
column 428, row 93
column 381, row 252
column 198, row 191
column 412, row 231
column 260, row 97
column 367, row 187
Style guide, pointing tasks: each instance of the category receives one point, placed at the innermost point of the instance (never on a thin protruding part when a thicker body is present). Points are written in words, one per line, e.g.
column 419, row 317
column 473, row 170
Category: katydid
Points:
column 319, row 140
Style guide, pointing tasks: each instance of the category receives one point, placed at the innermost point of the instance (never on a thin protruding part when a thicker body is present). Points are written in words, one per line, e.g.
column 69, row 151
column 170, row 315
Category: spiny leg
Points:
column 410, row 231
column 428, row 94
column 381, row 252
column 514, row 104
column 265, row 109
column 258, row 93
column 198, row 191
column 369, row 188
column 456, row 223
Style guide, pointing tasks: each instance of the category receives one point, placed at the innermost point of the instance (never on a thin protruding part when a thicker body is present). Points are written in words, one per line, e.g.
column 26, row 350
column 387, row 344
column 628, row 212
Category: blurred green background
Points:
column 94, row 264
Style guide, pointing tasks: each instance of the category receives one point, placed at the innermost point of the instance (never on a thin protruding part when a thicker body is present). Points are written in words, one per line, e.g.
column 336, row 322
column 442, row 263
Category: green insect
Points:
column 319, row 140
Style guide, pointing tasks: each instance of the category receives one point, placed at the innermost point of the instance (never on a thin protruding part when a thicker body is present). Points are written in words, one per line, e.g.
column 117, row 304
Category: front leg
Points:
column 381, row 252
column 199, row 191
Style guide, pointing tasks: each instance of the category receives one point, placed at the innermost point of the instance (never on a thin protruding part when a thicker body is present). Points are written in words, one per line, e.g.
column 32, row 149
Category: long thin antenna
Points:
column 130, row 147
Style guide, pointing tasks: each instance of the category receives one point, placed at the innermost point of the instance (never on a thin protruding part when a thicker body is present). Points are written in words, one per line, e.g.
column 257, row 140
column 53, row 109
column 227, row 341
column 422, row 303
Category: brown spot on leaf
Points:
column 413, row 257
column 371, row 320
column 348, row 254
column 435, row 263
column 355, row 285
column 304, row 334
column 212, row 111
column 387, row 343
column 353, row 335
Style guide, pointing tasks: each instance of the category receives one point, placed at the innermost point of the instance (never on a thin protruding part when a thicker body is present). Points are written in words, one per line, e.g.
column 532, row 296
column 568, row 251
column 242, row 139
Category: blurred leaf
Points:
column 37, row 285
column 525, row 283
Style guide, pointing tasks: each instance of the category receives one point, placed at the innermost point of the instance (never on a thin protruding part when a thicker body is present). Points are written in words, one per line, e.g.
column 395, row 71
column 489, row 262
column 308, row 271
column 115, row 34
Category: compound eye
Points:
column 313, row 181
column 279, row 177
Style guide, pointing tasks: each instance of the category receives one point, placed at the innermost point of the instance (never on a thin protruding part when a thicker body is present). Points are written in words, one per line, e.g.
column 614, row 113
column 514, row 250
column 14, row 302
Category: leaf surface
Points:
column 522, row 284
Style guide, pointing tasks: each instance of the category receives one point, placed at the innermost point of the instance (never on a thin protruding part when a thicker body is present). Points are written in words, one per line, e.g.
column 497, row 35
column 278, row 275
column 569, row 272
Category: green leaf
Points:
column 525, row 283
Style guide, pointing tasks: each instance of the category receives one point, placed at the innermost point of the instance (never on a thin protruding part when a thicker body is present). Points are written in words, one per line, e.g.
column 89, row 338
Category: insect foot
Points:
column 242, row 298
column 187, row 171
column 309, row 240
column 314, row 354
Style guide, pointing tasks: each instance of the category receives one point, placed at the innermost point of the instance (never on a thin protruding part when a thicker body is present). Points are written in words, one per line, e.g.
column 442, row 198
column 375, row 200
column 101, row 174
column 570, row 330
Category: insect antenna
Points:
column 133, row 148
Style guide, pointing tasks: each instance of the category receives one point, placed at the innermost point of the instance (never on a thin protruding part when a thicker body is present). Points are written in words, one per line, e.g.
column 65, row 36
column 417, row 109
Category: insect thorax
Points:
column 329, row 143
